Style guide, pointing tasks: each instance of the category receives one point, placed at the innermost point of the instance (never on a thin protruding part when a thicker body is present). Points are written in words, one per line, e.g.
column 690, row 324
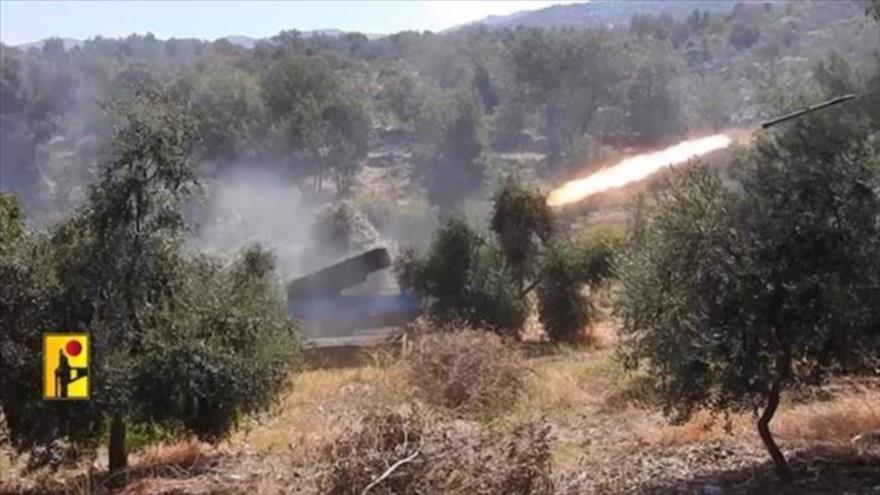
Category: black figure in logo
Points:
column 65, row 374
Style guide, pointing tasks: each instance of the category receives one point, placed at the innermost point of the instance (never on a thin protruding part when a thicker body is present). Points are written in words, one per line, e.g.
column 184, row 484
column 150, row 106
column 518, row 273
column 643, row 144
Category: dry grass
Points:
column 319, row 404
column 835, row 421
column 184, row 454
column 605, row 435
column 565, row 385
column 701, row 428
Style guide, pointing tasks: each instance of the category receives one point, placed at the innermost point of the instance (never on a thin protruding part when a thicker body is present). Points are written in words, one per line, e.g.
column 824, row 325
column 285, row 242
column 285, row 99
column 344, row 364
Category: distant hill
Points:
column 599, row 13
column 240, row 40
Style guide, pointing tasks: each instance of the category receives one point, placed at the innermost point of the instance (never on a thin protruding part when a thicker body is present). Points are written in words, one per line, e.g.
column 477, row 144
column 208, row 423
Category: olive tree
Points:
column 522, row 223
column 563, row 309
column 456, row 166
column 730, row 297
column 464, row 278
column 182, row 341
column 311, row 111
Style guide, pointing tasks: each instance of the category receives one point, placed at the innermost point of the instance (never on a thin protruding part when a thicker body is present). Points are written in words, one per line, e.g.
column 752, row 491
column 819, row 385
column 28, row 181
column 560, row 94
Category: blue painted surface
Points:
column 372, row 305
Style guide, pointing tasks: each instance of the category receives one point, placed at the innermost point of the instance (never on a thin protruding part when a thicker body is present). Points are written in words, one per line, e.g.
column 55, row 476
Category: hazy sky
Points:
column 26, row 21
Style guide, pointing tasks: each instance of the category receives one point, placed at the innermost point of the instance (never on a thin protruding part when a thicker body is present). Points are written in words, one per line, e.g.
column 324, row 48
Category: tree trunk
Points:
column 118, row 458
column 783, row 471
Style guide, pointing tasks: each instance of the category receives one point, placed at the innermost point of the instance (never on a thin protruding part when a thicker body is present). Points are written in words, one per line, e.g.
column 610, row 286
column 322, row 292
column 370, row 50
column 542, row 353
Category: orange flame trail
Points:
column 635, row 168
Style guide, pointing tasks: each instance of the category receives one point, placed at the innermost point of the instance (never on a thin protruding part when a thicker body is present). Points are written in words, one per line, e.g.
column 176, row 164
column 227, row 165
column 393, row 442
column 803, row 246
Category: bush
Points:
column 495, row 301
column 563, row 309
column 464, row 279
column 362, row 454
column 596, row 247
column 466, row 370
column 229, row 335
column 432, row 457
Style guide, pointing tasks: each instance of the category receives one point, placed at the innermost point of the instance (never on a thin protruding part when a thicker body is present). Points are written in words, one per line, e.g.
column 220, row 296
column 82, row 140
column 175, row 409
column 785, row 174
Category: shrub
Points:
column 464, row 279
column 432, row 457
column 495, row 301
column 563, row 309
column 466, row 370
column 228, row 336
column 363, row 454
column 441, row 277
column 596, row 247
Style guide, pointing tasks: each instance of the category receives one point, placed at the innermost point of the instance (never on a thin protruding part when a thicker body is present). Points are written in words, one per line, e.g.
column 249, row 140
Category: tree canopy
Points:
column 729, row 297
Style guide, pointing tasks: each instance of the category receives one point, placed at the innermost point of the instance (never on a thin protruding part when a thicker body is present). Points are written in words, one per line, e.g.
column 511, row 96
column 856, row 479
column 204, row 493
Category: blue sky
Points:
column 26, row 21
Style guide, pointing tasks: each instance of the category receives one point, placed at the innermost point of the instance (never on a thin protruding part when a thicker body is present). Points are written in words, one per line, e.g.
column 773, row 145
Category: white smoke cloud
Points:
column 249, row 204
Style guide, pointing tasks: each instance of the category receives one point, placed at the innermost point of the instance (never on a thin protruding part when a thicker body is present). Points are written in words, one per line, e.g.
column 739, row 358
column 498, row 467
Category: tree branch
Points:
column 389, row 471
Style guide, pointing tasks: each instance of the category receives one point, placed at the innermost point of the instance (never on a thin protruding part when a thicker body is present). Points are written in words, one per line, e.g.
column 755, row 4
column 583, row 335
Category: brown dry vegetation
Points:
column 578, row 424
column 467, row 370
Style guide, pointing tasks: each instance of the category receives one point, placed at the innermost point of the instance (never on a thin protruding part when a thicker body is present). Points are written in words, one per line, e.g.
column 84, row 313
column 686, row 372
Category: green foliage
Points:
column 11, row 220
column 728, row 297
column 494, row 297
column 660, row 277
column 228, row 108
column 566, row 76
column 463, row 279
column 176, row 340
column 654, row 111
column 442, row 276
column 457, row 168
column 563, row 309
column 596, row 248
column 33, row 301
column 312, row 111
column 522, row 222
column 220, row 349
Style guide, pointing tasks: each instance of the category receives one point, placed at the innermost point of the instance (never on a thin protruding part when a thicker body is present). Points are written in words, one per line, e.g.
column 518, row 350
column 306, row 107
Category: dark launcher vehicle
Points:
column 332, row 318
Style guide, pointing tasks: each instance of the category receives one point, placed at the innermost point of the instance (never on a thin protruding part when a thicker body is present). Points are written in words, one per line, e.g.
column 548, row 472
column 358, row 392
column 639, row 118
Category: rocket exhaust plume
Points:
column 635, row 168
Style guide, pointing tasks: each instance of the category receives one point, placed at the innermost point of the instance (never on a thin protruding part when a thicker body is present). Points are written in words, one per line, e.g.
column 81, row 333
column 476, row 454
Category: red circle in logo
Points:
column 73, row 348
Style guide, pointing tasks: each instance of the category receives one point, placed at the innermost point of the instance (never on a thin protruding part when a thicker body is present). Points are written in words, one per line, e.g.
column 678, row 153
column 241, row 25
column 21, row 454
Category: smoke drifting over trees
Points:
column 313, row 106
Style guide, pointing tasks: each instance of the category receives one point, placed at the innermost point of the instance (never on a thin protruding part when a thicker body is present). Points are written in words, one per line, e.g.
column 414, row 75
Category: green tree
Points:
column 228, row 109
column 464, row 279
column 523, row 223
column 731, row 297
column 563, row 309
column 654, row 110
column 10, row 219
column 596, row 248
column 311, row 111
column 184, row 342
column 457, row 168
column 565, row 76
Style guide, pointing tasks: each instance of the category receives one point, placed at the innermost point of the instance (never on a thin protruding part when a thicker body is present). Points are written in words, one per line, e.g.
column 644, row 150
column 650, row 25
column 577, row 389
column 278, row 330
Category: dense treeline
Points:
column 317, row 104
